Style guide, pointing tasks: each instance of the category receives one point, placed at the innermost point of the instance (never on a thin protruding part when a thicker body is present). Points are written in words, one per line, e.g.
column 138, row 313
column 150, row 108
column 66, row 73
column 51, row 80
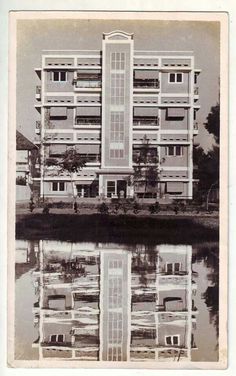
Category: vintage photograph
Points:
column 119, row 248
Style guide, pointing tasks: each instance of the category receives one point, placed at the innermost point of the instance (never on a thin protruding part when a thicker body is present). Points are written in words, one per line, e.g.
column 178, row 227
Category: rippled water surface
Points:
column 96, row 301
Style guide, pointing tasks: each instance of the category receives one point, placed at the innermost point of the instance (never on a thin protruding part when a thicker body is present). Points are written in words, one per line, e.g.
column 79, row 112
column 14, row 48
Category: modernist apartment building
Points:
column 103, row 303
column 110, row 105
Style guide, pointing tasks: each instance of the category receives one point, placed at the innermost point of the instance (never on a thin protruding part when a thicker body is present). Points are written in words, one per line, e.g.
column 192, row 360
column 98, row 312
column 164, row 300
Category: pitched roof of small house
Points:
column 22, row 143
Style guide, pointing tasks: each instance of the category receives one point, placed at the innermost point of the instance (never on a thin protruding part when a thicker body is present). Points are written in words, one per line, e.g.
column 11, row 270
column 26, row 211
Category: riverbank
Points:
column 129, row 228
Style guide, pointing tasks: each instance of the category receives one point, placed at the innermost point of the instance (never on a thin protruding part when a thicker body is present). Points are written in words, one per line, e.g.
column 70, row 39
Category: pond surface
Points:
column 113, row 302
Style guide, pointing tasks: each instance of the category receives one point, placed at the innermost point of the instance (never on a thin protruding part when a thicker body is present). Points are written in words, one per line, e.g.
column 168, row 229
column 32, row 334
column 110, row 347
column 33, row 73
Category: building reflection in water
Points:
column 104, row 302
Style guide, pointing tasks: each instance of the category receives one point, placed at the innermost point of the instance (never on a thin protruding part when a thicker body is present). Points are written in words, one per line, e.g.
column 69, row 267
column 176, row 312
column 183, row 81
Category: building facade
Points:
column 26, row 158
column 106, row 303
column 120, row 109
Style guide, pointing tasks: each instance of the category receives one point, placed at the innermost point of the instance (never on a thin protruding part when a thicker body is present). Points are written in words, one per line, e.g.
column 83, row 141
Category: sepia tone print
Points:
column 118, row 258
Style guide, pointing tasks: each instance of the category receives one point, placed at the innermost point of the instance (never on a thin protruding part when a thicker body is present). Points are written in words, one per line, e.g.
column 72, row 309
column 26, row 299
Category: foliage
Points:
column 146, row 168
column 212, row 124
column 208, row 166
column 136, row 207
column 71, row 161
column 20, row 180
column 208, row 162
column 155, row 208
column 103, row 208
column 46, row 209
column 31, row 205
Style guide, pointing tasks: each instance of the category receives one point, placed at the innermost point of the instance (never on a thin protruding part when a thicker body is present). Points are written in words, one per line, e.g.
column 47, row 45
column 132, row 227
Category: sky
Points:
column 33, row 36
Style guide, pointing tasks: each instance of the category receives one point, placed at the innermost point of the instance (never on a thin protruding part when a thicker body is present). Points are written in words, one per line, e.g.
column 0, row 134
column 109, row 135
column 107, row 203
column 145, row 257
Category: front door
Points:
column 121, row 188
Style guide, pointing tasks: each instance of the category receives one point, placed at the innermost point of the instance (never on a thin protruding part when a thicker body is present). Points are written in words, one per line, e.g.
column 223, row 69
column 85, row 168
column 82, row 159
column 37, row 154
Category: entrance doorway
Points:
column 121, row 188
column 116, row 188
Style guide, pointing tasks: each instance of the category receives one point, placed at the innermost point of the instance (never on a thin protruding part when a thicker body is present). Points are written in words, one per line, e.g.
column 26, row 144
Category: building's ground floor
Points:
column 112, row 186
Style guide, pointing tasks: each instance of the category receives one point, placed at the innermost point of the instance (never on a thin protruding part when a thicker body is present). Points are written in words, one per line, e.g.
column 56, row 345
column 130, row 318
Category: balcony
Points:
column 145, row 161
column 87, row 121
column 87, row 81
column 146, row 84
column 91, row 158
column 145, row 121
column 196, row 90
column 196, row 93
column 38, row 127
column 38, row 93
column 195, row 127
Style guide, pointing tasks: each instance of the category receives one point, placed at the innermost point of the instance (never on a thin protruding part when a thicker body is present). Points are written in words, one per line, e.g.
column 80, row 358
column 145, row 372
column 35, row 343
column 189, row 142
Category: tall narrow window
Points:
column 54, row 186
column 111, row 188
column 61, row 186
column 117, row 88
column 118, row 60
column 117, row 135
column 178, row 150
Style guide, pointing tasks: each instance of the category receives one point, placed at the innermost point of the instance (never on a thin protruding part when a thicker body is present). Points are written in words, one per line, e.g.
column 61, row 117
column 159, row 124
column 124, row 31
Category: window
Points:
column 170, row 150
column 118, row 60
column 55, row 338
column 172, row 268
column 175, row 78
column 59, row 76
column 58, row 186
column 178, row 150
column 174, row 150
column 172, row 340
column 117, row 88
column 117, row 135
column 111, row 188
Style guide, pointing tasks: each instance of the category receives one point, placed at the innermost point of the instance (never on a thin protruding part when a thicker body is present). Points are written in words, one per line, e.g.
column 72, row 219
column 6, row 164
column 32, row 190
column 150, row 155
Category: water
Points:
column 110, row 302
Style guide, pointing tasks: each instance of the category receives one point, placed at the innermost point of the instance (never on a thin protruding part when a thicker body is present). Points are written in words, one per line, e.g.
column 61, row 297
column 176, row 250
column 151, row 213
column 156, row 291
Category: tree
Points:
column 208, row 163
column 71, row 163
column 43, row 143
column 212, row 124
column 146, row 170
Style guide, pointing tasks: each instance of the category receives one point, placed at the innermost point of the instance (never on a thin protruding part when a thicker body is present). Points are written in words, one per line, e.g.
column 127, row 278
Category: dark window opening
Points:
column 61, row 186
column 179, row 77
column 54, row 186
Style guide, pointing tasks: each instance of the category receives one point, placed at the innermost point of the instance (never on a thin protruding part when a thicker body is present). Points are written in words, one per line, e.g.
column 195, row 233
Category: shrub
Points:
column 103, row 208
column 183, row 207
column 155, row 208
column 136, row 207
column 46, row 209
column 125, row 208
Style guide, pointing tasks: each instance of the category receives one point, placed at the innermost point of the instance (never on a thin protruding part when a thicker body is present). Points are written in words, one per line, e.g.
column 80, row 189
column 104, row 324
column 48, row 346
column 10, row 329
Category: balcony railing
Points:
column 87, row 120
column 146, row 121
column 147, row 83
column 88, row 84
column 91, row 158
column 144, row 161
column 38, row 127
column 88, row 81
column 38, row 92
